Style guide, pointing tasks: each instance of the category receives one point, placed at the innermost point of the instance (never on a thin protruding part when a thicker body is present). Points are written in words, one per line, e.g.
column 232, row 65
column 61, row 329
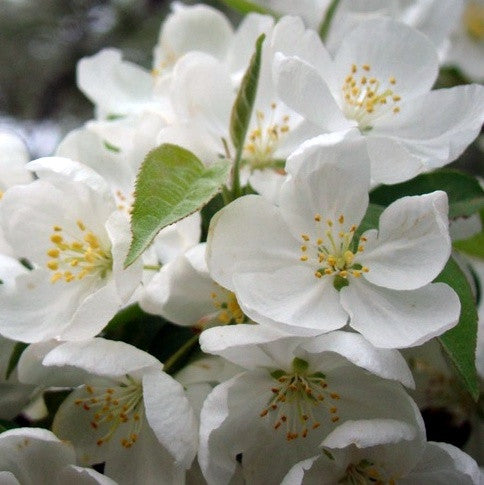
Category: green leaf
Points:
column 465, row 194
column 460, row 342
column 171, row 184
column 17, row 351
column 245, row 6
column 244, row 102
column 328, row 18
column 6, row 425
column 133, row 326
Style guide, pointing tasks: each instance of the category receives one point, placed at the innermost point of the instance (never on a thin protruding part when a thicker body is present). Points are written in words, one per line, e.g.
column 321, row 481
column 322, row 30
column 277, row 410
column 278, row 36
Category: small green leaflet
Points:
column 172, row 184
column 246, row 6
column 465, row 194
column 460, row 342
column 242, row 109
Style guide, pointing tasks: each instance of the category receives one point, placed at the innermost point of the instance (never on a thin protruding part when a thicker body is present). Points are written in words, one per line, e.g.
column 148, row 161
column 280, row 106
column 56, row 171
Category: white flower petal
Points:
column 76, row 475
column 33, row 455
column 390, row 48
column 397, row 319
column 192, row 28
column 327, row 179
column 170, row 416
column 442, row 463
column 301, row 87
column 413, row 243
column 117, row 87
column 179, row 292
column 291, row 299
column 248, row 235
column 386, row 363
column 392, row 161
column 101, row 357
column 240, row 344
column 453, row 118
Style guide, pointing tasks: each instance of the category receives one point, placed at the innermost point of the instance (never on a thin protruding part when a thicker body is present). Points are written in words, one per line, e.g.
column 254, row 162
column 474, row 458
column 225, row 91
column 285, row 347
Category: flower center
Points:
column 264, row 139
column 364, row 473
column 75, row 259
column 295, row 396
column 120, row 405
column 366, row 97
column 473, row 19
column 229, row 311
column 330, row 252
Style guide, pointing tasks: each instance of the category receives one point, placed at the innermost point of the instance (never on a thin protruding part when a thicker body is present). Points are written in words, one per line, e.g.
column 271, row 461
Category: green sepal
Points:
column 459, row 343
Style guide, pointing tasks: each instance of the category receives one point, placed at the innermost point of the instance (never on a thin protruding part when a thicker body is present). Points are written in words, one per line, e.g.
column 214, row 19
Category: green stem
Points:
column 152, row 267
column 326, row 23
column 170, row 365
column 236, row 177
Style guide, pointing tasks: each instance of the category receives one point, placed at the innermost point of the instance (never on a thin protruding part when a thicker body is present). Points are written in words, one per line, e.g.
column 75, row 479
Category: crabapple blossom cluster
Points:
column 244, row 268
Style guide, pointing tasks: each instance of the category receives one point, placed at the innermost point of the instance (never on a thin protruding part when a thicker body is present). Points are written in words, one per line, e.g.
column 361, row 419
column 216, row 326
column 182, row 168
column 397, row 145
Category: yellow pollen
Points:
column 84, row 253
column 264, row 139
column 332, row 253
column 295, row 400
column 53, row 265
column 364, row 103
column 473, row 19
column 56, row 238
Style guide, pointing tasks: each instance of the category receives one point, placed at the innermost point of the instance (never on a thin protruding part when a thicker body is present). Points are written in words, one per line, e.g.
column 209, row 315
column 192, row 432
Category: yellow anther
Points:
column 303, row 257
column 328, row 271
column 356, row 273
column 363, row 80
column 392, row 80
column 57, row 228
column 305, row 237
column 396, row 98
column 92, row 240
column 335, row 419
column 304, row 248
column 56, row 277
column 341, row 219
column 396, row 109
column 318, row 274
column 366, row 67
column 53, row 253
column 81, row 225
column 74, row 263
column 319, row 241
column 343, row 273
column 353, row 68
column 53, row 265
column 56, row 238
column 365, row 269
column 329, row 222
column 317, row 217
column 361, row 249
